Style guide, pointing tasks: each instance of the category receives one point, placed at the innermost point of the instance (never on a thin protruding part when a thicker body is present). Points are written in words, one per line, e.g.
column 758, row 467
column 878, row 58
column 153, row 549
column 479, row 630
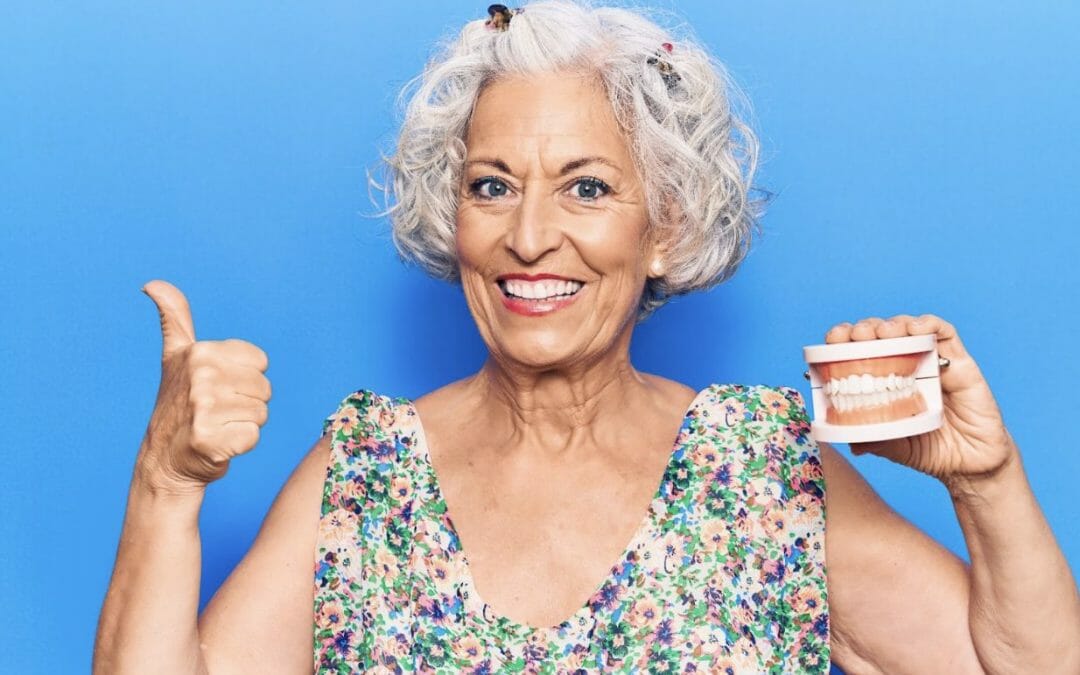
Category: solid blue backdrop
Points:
column 924, row 154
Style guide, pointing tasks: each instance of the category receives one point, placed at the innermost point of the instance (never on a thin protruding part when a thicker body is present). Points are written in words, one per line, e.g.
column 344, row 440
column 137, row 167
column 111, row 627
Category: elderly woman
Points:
column 560, row 511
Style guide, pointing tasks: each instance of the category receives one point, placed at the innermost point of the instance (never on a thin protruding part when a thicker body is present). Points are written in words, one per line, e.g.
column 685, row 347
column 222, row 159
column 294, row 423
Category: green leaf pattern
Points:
column 726, row 574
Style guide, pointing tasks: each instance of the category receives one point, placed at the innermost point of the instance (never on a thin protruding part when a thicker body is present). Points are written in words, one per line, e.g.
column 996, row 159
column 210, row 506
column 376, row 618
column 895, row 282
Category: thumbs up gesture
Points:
column 210, row 404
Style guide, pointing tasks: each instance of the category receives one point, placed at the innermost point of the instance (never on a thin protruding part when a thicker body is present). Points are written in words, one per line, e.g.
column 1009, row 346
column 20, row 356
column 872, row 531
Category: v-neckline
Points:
column 473, row 600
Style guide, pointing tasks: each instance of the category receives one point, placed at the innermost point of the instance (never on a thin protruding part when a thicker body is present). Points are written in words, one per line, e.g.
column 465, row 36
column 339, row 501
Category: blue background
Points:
column 924, row 154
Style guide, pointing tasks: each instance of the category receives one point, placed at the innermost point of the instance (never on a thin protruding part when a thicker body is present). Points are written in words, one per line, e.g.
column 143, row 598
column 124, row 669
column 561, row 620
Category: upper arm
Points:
column 898, row 600
column 260, row 619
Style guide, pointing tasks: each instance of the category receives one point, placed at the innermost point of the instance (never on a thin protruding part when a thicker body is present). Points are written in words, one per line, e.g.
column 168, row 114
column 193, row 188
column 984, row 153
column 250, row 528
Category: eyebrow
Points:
column 572, row 165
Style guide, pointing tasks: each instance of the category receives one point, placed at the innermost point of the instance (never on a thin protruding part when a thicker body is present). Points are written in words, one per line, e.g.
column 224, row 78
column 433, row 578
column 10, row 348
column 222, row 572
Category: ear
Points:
column 660, row 245
column 658, row 257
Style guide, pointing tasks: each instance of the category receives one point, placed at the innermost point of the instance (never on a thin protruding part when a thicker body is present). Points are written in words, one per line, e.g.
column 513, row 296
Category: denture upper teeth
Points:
column 868, row 384
column 541, row 290
column 858, row 391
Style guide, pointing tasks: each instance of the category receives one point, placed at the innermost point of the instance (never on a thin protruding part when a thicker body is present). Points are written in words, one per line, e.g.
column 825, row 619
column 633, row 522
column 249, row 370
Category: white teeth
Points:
column 865, row 390
column 859, row 384
column 541, row 290
column 866, row 384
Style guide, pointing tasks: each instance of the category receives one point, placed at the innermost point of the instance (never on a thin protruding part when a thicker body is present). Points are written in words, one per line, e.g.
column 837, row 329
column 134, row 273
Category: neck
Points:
column 558, row 409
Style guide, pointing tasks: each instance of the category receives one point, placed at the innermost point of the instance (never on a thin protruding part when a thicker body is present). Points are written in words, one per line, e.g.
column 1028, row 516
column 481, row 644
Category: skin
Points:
column 558, row 402
column 524, row 451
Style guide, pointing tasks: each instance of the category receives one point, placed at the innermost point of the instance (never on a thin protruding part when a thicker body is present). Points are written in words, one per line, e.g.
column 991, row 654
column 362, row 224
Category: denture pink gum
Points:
column 874, row 390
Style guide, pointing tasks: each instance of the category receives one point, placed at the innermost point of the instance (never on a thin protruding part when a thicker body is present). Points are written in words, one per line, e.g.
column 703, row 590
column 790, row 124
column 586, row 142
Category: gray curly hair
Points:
column 695, row 154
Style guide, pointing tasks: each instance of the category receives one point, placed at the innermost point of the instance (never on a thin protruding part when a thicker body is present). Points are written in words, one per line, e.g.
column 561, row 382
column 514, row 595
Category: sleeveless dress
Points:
column 725, row 574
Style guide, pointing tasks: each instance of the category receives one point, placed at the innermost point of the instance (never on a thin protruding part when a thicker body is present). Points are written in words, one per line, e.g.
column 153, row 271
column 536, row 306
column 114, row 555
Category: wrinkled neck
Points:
column 556, row 409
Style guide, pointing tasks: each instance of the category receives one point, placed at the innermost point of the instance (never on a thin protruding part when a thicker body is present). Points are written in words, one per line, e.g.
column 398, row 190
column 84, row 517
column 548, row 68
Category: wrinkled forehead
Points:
column 568, row 113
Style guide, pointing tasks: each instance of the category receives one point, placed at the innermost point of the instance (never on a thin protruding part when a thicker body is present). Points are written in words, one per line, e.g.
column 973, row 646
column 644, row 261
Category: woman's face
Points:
column 551, row 221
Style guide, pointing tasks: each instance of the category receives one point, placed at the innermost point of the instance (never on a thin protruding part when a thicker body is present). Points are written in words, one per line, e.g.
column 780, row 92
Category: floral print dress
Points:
column 726, row 573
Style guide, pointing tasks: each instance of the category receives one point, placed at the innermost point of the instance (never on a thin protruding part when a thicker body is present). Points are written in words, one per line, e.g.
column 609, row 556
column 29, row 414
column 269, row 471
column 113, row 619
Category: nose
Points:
column 535, row 229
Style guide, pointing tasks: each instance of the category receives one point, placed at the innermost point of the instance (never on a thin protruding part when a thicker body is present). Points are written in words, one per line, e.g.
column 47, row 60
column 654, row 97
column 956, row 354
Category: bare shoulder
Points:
column 898, row 600
column 447, row 406
column 260, row 619
column 437, row 399
column 669, row 390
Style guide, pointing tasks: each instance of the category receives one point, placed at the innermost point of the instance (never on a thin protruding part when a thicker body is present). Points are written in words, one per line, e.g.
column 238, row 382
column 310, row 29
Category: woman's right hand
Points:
column 210, row 404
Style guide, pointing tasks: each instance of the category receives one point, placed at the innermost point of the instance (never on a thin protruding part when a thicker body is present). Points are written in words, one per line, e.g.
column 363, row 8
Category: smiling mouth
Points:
column 544, row 290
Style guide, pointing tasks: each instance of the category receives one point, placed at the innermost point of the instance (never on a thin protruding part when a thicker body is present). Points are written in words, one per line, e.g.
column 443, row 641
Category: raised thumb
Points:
column 177, row 328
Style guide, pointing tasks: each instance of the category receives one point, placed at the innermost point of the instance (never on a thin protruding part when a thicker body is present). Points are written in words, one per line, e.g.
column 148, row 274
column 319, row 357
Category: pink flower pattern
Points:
column 726, row 573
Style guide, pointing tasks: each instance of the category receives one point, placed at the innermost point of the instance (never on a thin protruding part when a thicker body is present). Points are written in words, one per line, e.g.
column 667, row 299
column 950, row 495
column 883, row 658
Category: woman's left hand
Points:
column 972, row 440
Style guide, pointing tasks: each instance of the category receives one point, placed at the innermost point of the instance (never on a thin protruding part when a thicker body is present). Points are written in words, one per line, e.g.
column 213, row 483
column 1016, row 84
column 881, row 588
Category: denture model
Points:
column 874, row 390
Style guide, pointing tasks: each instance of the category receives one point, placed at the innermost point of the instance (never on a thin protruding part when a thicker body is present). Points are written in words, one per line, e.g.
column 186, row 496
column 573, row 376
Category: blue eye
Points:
column 488, row 187
column 585, row 189
column 589, row 189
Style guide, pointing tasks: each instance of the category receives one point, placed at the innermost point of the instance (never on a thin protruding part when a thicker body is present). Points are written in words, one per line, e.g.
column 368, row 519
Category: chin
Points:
column 544, row 347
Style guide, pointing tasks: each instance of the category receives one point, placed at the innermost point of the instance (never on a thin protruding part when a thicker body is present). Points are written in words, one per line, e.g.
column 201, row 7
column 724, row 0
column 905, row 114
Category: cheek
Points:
column 471, row 243
column 615, row 248
column 476, row 240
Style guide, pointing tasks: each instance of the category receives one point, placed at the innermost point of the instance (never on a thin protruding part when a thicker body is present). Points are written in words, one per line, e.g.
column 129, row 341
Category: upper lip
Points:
column 532, row 277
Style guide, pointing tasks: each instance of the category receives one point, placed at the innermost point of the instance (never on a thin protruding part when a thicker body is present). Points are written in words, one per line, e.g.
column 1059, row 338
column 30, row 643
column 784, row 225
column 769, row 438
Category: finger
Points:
column 229, row 428
column 244, row 409
column 242, row 351
column 177, row 327
column 841, row 332
column 891, row 450
column 241, row 436
column 896, row 326
column 865, row 329
column 252, row 383
column 948, row 341
column 236, row 408
column 238, row 352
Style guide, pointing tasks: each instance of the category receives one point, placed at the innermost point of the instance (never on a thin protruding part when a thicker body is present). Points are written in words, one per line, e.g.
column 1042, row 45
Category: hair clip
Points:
column 499, row 17
column 671, row 78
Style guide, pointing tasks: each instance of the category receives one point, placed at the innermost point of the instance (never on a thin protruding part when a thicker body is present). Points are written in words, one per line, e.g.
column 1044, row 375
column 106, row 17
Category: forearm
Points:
column 1024, row 609
column 149, row 620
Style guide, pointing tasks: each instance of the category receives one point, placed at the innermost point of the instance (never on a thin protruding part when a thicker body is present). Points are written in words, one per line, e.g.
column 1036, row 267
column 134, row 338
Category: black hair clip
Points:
column 671, row 78
column 499, row 17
